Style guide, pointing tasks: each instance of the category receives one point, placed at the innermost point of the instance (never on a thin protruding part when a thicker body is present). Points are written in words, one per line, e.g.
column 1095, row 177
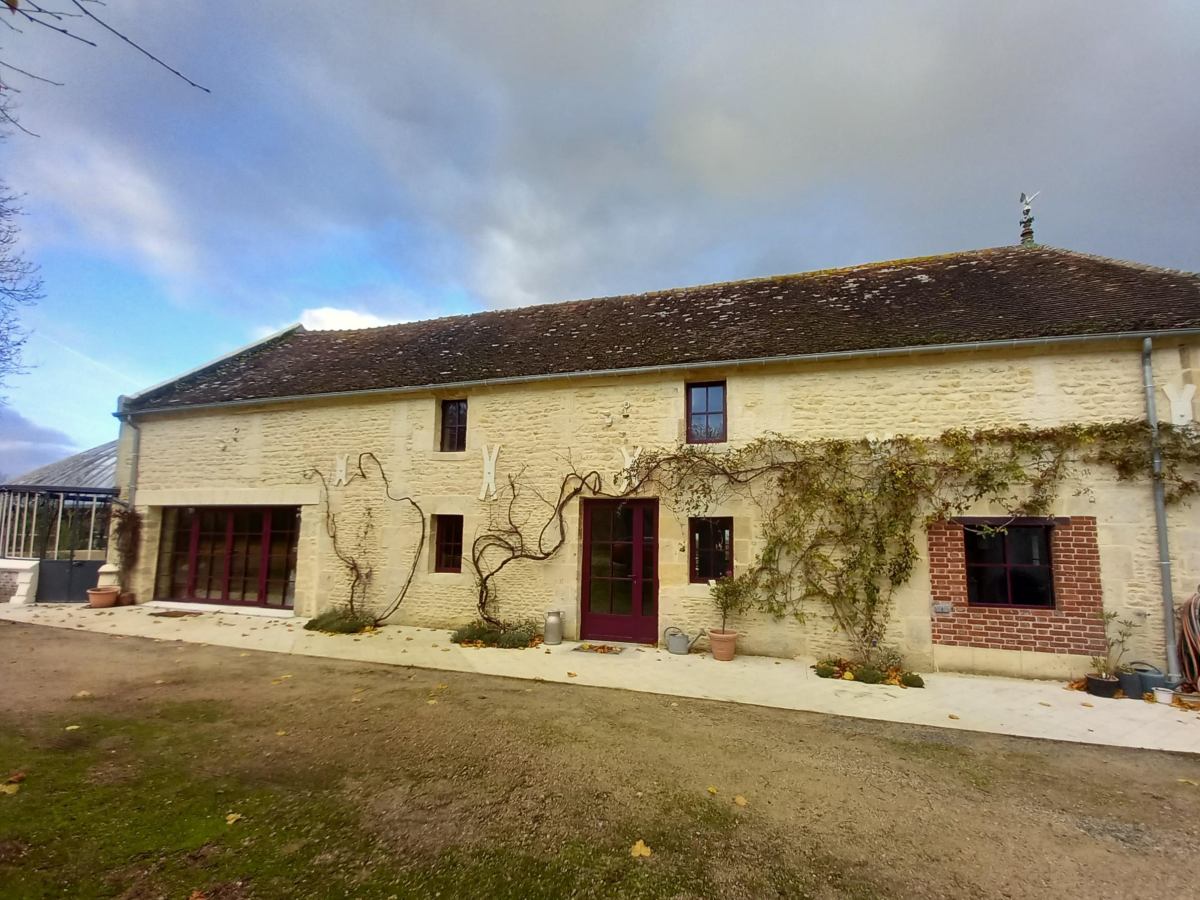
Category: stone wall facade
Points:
column 8, row 585
column 267, row 454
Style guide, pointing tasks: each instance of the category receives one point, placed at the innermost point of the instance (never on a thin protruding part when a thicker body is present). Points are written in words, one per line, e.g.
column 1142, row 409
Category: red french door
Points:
column 240, row 555
column 620, row 571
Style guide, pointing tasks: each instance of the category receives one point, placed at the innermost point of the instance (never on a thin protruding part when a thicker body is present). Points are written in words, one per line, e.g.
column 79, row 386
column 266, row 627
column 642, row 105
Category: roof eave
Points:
column 829, row 355
column 125, row 399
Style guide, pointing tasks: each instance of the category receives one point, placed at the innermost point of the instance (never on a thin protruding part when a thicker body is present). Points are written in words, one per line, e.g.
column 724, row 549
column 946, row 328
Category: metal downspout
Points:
column 135, row 453
column 1174, row 677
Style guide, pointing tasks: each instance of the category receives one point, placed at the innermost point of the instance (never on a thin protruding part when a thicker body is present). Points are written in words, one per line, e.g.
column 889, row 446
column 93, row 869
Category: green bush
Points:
column 912, row 679
column 511, row 637
column 824, row 671
column 887, row 657
column 340, row 621
column 868, row 675
column 475, row 631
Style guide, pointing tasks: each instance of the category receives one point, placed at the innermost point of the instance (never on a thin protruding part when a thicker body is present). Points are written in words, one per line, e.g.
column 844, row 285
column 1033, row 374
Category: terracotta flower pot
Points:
column 102, row 598
column 723, row 644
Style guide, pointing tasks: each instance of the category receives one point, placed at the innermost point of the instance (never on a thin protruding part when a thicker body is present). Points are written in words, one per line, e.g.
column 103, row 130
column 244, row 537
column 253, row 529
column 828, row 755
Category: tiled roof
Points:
column 89, row 470
column 1000, row 294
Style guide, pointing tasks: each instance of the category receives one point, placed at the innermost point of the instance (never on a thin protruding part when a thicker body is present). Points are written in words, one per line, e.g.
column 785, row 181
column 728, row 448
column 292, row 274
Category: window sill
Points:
column 1023, row 606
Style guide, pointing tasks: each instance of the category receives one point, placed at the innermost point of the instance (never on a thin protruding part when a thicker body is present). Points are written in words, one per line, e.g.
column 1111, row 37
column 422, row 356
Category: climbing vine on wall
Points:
column 516, row 533
column 353, row 552
column 838, row 516
column 127, row 534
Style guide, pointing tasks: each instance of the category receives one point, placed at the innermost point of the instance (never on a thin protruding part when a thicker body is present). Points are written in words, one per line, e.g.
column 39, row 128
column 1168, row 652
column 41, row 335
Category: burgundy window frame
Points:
column 192, row 533
column 694, row 550
column 641, row 623
column 1046, row 526
column 448, row 543
column 707, row 438
column 454, row 436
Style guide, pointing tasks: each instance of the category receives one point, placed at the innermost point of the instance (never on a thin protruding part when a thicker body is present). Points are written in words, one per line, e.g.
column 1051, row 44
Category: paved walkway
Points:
column 1039, row 709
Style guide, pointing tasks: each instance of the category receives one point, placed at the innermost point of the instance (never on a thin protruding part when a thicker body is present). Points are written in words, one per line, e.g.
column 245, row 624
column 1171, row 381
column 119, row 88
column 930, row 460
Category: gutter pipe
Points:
column 1174, row 676
column 134, row 458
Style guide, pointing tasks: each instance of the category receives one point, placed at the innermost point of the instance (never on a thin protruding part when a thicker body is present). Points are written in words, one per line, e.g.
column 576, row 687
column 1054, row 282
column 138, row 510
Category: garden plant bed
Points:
column 847, row 670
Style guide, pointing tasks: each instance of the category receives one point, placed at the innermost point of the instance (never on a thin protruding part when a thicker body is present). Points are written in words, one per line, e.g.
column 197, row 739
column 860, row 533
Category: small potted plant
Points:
column 1102, row 681
column 730, row 595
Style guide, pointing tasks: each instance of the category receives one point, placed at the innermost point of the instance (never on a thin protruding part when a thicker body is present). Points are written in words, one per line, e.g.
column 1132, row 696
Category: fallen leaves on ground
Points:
column 1188, row 781
column 1088, row 705
column 280, row 733
column 1079, row 684
column 712, row 790
column 740, row 800
column 572, row 675
column 73, row 727
column 233, row 818
column 639, row 849
column 952, row 716
column 82, row 695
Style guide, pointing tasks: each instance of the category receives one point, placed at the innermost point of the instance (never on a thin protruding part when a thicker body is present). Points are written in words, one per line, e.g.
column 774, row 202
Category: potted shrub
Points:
column 1102, row 681
column 730, row 595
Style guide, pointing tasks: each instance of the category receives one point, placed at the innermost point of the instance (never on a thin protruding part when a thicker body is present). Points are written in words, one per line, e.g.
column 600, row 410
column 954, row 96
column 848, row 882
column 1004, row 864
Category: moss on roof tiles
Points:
column 997, row 294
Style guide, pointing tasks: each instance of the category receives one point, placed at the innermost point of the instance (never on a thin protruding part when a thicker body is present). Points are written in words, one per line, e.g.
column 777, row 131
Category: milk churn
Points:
column 552, row 633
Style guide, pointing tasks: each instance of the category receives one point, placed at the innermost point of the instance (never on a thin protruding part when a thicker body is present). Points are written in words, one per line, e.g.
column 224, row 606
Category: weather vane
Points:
column 1027, row 218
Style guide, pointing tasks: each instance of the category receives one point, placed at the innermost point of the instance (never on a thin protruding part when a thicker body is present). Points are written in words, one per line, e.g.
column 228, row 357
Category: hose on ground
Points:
column 1189, row 641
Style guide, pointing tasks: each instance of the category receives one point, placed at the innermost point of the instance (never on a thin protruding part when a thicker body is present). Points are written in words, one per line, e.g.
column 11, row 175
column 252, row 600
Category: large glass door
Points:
column 620, row 570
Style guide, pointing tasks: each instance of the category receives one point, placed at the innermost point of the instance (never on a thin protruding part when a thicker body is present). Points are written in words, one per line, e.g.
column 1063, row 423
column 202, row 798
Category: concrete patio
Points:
column 1037, row 709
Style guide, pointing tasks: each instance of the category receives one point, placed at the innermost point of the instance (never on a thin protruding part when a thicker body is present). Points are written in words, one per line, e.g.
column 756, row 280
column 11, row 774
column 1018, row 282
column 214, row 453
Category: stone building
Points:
column 236, row 465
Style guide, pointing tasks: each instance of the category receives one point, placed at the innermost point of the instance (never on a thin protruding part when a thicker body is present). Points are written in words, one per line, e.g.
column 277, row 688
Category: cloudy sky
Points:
column 368, row 162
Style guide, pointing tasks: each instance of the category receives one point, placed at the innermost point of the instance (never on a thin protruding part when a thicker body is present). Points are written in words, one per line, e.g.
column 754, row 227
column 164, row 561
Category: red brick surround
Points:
column 1073, row 626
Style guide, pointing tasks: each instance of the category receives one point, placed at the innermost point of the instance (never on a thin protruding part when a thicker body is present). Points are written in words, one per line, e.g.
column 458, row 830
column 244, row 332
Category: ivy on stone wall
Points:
column 839, row 516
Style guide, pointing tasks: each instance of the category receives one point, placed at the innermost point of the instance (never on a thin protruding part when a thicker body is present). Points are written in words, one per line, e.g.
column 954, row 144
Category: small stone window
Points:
column 707, row 422
column 1009, row 565
column 710, row 548
column 448, row 543
column 454, row 426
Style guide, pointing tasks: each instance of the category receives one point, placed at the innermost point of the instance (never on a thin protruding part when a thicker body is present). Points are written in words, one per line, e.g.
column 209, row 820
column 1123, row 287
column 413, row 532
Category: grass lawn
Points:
column 203, row 772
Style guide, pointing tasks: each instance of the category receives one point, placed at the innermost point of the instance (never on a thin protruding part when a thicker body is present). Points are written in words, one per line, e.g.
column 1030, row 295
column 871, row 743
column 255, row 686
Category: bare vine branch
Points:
column 505, row 543
column 358, row 572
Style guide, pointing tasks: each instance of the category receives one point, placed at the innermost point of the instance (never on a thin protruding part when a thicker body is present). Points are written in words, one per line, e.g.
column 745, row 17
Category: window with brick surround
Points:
column 448, row 543
column 710, row 548
column 1009, row 566
column 707, row 422
column 454, row 426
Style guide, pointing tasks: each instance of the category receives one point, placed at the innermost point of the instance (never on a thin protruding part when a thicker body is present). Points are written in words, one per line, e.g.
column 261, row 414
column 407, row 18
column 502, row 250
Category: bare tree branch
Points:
column 136, row 46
